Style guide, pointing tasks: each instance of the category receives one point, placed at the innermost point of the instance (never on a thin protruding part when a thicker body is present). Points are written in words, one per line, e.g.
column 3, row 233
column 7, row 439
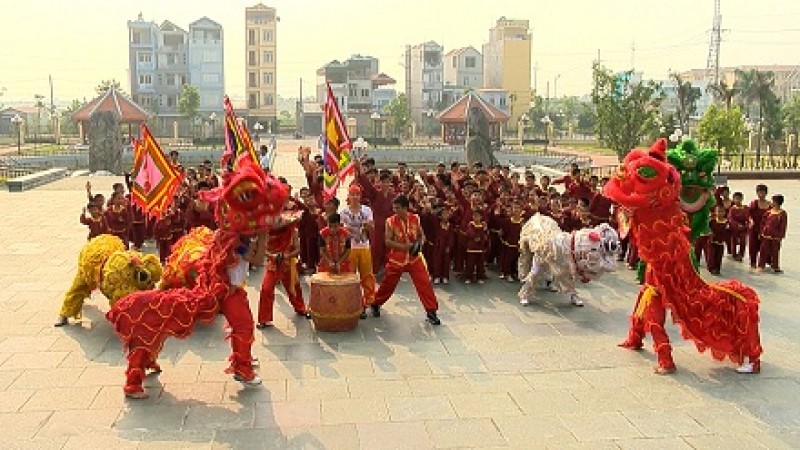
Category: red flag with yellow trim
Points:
column 154, row 179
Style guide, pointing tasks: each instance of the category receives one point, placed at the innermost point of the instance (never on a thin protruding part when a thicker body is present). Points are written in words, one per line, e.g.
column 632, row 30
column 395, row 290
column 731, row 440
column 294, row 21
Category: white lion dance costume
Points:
column 546, row 252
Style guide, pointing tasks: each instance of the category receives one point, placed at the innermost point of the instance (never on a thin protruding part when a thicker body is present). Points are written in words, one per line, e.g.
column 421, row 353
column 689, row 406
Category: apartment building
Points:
column 424, row 79
column 261, row 88
column 163, row 58
column 507, row 64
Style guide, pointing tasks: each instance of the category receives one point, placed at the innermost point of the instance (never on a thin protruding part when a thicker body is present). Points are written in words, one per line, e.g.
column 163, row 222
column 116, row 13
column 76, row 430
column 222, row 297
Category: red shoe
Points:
column 631, row 345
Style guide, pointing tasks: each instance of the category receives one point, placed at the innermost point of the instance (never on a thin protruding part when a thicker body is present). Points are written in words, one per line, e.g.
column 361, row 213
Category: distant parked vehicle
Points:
column 80, row 147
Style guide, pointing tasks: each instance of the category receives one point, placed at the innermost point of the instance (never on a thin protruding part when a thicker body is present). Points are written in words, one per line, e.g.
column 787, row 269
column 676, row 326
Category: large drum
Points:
column 335, row 302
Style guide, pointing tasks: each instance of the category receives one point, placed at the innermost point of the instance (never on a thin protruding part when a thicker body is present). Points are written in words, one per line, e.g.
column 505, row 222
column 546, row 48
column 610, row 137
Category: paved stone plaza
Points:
column 494, row 375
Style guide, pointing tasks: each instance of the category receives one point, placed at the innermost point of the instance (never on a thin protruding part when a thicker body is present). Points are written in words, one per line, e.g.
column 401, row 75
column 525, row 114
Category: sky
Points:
column 81, row 42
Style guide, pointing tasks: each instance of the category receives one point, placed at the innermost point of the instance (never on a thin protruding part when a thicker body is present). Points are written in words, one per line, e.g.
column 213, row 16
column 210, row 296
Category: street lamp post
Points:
column 546, row 121
column 258, row 127
column 212, row 118
column 17, row 121
column 375, row 116
column 523, row 122
column 429, row 114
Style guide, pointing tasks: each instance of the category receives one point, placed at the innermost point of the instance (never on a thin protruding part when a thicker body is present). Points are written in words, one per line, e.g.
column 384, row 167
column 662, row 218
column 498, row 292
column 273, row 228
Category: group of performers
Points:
column 469, row 218
column 457, row 219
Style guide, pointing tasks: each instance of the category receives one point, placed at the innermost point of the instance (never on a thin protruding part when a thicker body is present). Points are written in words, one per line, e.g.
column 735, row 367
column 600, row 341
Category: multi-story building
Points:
column 163, row 58
column 464, row 67
column 787, row 77
column 261, row 61
column 359, row 88
column 424, row 79
column 507, row 64
column 670, row 103
column 205, row 58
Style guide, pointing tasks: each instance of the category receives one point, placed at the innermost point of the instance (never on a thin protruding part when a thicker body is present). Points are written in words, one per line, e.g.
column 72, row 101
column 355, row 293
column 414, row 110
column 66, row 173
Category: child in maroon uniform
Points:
column 308, row 227
column 773, row 230
column 738, row 219
column 162, row 233
column 477, row 243
column 117, row 217
column 509, row 237
column 442, row 247
column 719, row 236
column 758, row 208
column 96, row 222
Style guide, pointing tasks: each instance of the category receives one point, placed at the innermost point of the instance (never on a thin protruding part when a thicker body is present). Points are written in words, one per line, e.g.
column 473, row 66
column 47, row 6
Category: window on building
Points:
column 365, row 93
column 466, row 81
column 171, row 58
column 469, row 62
column 160, row 79
column 171, row 101
column 251, row 37
column 251, row 58
column 455, row 61
column 170, row 79
column 184, row 79
column 251, row 80
column 210, row 78
column 267, row 35
column 145, row 79
column 252, row 101
column 145, row 57
column 183, row 59
column 268, row 100
column 173, row 40
column 268, row 78
column 502, row 101
column 211, row 56
column 268, row 56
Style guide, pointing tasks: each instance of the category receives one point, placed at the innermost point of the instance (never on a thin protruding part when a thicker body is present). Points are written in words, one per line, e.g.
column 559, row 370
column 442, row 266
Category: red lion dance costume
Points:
column 247, row 205
column 721, row 317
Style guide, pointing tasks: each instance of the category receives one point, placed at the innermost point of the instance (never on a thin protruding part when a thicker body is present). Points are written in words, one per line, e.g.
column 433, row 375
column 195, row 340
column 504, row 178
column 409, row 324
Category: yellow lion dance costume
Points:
column 105, row 264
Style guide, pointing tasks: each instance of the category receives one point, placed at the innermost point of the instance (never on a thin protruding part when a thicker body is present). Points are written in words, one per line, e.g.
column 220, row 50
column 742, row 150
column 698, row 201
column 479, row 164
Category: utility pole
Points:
column 535, row 73
column 712, row 64
column 555, row 87
column 299, row 112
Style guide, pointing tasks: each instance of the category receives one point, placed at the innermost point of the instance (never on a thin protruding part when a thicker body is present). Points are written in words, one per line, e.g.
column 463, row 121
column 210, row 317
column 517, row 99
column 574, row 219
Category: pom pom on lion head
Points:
column 645, row 179
column 249, row 201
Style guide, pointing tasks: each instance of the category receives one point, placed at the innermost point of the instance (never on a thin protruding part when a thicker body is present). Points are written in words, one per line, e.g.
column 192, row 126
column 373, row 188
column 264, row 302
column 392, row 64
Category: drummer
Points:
column 334, row 247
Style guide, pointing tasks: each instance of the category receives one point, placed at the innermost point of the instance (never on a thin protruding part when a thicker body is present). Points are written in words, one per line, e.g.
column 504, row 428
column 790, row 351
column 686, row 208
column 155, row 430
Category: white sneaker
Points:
column 446, row 281
column 575, row 300
column 467, row 282
column 480, row 281
column 524, row 302
column 255, row 381
column 436, row 281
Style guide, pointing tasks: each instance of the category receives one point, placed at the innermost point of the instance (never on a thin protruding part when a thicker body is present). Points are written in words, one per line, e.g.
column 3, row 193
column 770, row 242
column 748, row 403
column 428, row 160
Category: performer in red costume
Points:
column 758, row 208
column 721, row 317
column 404, row 239
column 283, row 247
column 380, row 201
column 334, row 243
column 247, row 205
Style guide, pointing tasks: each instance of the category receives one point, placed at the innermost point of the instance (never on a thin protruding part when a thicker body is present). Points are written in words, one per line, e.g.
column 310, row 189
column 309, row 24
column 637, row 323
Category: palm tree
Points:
column 722, row 92
column 687, row 96
column 756, row 87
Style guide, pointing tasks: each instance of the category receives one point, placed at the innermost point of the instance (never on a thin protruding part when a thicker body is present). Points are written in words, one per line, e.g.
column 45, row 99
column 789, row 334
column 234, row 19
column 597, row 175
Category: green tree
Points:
column 626, row 111
column 188, row 102
column 67, row 125
column 724, row 93
column 756, row 88
column 108, row 84
column 791, row 115
column 399, row 114
column 687, row 97
column 723, row 129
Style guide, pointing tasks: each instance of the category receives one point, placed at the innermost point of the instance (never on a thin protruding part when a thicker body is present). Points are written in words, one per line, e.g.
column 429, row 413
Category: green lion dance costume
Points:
column 696, row 167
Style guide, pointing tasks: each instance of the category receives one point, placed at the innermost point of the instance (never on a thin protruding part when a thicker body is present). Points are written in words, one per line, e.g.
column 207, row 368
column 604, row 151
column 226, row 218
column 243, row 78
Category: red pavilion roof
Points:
column 114, row 101
column 457, row 112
